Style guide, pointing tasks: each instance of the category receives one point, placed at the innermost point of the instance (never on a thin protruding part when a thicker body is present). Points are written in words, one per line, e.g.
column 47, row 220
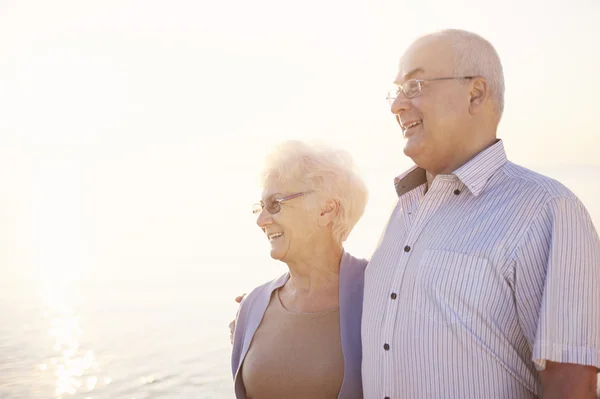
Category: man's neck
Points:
column 454, row 164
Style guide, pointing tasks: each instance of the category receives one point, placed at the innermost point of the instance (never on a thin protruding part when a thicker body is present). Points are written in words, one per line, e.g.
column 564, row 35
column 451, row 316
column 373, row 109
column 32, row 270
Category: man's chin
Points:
column 412, row 150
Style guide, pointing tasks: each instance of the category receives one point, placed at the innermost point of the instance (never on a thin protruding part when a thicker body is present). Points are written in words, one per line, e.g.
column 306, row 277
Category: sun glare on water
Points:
column 59, row 242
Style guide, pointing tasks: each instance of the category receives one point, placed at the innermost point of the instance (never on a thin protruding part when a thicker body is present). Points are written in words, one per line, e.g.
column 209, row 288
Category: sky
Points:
column 132, row 132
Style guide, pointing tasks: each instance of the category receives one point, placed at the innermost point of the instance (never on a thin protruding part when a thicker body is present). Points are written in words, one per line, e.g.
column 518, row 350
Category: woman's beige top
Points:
column 294, row 355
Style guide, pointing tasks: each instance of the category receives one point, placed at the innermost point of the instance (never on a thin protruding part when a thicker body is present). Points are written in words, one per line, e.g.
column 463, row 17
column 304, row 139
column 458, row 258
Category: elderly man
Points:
column 486, row 282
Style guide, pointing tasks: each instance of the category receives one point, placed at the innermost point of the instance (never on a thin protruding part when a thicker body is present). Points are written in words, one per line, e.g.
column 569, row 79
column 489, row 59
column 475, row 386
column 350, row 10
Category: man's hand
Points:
column 565, row 380
column 238, row 299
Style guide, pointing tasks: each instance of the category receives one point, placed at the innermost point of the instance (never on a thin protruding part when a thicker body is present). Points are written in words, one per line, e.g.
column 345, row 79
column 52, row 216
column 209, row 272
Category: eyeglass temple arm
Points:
column 289, row 197
column 448, row 78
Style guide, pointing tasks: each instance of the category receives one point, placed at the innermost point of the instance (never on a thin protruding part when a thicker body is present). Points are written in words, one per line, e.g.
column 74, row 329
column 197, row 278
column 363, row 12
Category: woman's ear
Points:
column 328, row 212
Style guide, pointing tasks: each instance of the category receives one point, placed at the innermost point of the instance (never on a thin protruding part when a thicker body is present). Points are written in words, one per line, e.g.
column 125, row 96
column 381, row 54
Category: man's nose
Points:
column 400, row 104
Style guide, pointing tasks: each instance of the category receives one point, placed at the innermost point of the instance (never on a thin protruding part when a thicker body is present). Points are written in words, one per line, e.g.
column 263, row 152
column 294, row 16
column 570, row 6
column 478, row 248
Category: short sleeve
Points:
column 557, row 285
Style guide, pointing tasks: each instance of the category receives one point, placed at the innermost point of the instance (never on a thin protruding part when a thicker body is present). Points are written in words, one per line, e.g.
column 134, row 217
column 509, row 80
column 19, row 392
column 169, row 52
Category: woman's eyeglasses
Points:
column 273, row 203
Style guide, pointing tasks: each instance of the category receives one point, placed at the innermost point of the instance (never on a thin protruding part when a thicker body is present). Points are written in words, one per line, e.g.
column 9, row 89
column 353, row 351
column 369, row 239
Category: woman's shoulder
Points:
column 264, row 290
column 352, row 272
column 350, row 261
column 253, row 306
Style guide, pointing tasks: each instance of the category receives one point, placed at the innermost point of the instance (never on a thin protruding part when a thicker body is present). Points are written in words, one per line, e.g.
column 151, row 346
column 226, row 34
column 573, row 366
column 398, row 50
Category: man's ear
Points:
column 478, row 95
column 328, row 212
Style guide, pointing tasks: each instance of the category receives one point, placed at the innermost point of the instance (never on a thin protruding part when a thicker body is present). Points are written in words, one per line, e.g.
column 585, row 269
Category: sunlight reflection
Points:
column 74, row 368
column 73, row 365
column 57, row 228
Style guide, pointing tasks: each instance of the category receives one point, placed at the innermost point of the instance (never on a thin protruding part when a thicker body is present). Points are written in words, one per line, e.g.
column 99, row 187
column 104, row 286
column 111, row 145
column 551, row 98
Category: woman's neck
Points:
column 314, row 280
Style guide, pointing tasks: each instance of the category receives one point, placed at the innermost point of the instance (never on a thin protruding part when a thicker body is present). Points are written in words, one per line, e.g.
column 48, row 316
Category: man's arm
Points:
column 556, row 277
column 569, row 381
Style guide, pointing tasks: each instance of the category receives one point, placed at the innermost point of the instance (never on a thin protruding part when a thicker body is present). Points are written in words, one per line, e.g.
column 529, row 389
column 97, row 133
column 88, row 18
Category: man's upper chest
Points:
column 449, row 219
column 447, row 255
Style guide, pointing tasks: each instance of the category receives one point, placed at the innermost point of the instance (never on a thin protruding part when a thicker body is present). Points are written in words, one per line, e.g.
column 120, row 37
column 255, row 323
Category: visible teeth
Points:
column 275, row 235
column 411, row 125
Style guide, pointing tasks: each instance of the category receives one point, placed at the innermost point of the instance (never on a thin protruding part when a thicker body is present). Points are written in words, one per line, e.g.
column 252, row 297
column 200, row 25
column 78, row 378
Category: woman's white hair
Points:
column 330, row 173
column 475, row 56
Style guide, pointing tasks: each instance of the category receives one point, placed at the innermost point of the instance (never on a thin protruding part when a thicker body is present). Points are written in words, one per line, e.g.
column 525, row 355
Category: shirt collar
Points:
column 474, row 174
column 409, row 180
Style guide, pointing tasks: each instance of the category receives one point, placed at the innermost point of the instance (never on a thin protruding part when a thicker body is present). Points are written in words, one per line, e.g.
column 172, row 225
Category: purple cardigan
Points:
column 255, row 304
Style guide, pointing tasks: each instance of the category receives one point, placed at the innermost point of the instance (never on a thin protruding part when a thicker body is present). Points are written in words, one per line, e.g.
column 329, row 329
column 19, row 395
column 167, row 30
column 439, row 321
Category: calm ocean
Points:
column 144, row 334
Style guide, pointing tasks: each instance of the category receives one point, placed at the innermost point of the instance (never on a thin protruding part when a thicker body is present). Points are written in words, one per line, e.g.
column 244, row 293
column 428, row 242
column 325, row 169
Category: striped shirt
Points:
column 478, row 282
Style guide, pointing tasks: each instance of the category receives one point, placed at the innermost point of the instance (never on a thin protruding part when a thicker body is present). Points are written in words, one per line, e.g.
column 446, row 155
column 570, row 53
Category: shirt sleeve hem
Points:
column 559, row 353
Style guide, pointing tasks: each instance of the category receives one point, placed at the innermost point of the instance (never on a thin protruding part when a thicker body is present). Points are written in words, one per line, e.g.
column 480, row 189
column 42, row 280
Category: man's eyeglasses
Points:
column 411, row 88
column 273, row 203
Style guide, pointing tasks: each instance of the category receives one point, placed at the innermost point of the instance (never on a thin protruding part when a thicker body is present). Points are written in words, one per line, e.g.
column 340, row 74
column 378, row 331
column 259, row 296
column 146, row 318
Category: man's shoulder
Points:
column 530, row 183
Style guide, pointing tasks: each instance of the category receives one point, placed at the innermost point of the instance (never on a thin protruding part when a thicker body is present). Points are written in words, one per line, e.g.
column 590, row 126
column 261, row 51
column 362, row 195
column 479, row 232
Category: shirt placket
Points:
column 418, row 211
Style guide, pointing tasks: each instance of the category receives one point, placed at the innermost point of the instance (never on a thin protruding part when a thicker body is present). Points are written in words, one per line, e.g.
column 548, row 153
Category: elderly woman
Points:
column 298, row 336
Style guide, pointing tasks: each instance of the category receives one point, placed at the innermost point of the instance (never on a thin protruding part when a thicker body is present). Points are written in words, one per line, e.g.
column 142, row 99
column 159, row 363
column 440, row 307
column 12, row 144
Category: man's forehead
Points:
column 425, row 58
column 404, row 74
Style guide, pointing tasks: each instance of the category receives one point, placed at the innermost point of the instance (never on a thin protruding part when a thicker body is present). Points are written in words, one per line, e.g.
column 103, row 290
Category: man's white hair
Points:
column 475, row 56
column 330, row 173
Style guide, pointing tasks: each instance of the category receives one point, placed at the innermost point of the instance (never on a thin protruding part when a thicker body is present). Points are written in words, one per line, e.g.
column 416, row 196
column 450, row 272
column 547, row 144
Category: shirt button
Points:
column 386, row 347
column 393, row 296
column 456, row 192
column 387, row 397
column 407, row 249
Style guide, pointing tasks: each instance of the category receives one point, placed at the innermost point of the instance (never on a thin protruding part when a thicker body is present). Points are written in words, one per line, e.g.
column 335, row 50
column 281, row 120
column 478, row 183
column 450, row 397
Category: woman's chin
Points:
column 279, row 248
column 277, row 254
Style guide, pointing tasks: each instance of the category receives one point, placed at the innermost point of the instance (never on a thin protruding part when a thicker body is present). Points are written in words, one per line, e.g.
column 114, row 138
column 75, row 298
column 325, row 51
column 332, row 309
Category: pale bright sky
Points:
column 131, row 132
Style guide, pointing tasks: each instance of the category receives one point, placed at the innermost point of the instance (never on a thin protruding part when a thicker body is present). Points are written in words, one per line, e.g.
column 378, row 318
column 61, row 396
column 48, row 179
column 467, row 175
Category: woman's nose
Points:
column 264, row 219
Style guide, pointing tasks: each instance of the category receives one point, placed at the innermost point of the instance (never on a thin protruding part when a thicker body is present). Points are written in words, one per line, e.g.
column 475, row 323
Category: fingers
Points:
column 231, row 331
column 239, row 298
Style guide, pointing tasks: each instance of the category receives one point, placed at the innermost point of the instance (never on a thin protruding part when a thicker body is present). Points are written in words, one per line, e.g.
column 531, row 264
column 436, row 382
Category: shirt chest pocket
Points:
column 448, row 286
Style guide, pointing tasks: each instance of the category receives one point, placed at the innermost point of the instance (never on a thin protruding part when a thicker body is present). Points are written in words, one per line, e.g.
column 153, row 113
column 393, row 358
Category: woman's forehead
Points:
column 282, row 188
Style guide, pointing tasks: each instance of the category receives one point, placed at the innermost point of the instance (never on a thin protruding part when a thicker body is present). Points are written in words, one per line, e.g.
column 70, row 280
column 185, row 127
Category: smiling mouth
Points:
column 410, row 125
column 274, row 236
